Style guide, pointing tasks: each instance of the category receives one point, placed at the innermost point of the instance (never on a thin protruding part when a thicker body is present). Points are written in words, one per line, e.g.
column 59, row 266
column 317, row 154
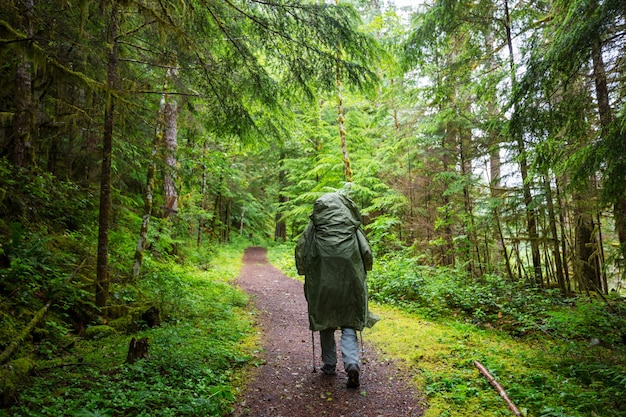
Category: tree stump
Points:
column 152, row 317
column 138, row 349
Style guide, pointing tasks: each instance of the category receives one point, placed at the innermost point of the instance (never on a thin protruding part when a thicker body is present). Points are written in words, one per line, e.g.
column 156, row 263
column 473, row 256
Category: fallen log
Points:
column 6, row 355
column 498, row 388
column 16, row 343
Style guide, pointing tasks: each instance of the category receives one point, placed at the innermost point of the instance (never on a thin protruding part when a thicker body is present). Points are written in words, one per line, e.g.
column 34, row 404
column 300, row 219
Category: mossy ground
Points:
column 206, row 336
column 544, row 374
column 441, row 358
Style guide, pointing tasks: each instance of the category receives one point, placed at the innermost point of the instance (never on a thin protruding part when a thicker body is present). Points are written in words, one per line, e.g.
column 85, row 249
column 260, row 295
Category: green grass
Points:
column 191, row 361
column 549, row 370
column 442, row 355
column 195, row 364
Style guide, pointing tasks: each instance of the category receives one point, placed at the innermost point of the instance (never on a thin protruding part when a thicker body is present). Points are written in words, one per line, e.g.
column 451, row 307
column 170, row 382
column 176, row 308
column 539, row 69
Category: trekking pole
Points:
column 361, row 338
column 313, row 346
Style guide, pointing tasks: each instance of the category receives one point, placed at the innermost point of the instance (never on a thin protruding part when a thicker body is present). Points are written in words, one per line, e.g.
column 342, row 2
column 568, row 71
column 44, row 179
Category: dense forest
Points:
column 483, row 140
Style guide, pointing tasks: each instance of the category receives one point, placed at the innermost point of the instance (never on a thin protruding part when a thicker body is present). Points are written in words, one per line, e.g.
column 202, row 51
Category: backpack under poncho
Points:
column 333, row 255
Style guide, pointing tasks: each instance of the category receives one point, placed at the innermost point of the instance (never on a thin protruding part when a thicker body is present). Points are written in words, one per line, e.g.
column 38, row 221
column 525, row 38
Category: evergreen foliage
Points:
column 486, row 144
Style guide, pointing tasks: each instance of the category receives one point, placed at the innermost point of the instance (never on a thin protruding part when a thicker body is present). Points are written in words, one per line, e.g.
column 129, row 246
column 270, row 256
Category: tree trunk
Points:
column 587, row 269
column 170, row 145
column 280, row 232
column 619, row 214
column 449, row 142
column 531, row 215
column 242, row 220
column 203, row 189
column 560, row 277
column 217, row 212
column 137, row 349
column 226, row 222
column 495, row 164
column 23, row 153
column 347, row 169
column 102, row 268
column 605, row 114
column 148, row 198
column 475, row 264
column 562, row 221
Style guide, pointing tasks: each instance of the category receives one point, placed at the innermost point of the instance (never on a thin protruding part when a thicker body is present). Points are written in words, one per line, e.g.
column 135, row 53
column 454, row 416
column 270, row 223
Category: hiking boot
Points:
column 329, row 369
column 353, row 376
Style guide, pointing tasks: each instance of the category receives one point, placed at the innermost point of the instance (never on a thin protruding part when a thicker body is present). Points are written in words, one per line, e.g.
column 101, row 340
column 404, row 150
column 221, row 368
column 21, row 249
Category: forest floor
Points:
column 285, row 383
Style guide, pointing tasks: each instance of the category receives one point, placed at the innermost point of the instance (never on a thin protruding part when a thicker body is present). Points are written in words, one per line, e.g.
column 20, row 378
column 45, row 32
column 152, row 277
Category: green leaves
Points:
column 191, row 357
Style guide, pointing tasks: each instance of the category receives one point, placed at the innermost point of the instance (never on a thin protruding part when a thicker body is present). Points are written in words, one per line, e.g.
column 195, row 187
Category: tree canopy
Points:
column 481, row 137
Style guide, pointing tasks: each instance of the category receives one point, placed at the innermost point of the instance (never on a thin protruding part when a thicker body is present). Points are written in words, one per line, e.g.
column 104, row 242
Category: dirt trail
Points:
column 285, row 386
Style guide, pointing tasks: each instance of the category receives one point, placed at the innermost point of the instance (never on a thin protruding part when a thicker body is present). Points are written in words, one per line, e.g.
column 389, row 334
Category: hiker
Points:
column 333, row 254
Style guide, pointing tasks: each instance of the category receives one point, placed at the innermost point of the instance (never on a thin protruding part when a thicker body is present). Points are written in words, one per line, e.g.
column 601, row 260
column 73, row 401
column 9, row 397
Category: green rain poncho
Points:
column 334, row 255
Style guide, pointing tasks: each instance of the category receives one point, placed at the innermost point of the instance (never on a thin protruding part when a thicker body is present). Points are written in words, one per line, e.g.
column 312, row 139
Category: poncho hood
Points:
column 335, row 214
column 334, row 255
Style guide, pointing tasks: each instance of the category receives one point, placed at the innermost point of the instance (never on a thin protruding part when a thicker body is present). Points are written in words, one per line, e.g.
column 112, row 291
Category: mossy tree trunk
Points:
column 102, row 267
column 23, row 153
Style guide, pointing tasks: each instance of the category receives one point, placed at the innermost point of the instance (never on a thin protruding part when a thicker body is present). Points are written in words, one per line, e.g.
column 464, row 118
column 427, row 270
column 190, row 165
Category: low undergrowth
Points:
column 554, row 357
column 190, row 361
column 541, row 376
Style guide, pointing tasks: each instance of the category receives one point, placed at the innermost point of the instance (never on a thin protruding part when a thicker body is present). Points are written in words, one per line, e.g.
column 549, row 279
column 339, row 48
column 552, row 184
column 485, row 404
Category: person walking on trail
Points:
column 334, row 256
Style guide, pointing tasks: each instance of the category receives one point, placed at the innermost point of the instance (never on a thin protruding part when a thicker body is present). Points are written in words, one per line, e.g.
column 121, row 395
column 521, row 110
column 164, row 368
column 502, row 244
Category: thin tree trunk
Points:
column 560, row 277
column 217, row 216
column 216, row 221
column 603, row 279
column 619, row 214
column 149, row 190
column 226, row 221
column 562, row 218
column 466, row 170
column 170, row 145
column 495, row 163
column 496, row 193
column 203, row 202
column 242, row 221
column 347, row 169
column 448, row 144
column 280, row 231
column 102, row 267
column 145, row 221
column 531, row 216
column 507, row 261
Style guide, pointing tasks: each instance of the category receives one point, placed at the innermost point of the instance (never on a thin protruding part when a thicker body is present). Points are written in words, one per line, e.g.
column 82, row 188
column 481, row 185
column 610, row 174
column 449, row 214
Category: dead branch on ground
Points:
column 498, row 388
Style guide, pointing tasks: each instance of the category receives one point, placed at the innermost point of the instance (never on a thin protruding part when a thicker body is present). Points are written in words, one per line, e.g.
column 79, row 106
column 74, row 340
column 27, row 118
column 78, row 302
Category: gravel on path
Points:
column 284, row 385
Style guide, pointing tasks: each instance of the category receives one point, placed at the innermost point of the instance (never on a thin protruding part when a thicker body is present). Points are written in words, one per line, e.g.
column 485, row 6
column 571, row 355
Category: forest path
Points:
column 284, row 385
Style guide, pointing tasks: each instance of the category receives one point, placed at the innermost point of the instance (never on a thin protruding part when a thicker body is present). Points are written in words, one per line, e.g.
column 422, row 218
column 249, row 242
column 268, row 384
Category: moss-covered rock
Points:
column 137, row 318
column 123, row 324
column 99, row 331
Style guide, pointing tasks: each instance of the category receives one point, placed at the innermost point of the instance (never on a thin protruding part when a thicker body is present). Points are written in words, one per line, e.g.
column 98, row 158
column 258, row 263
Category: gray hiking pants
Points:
column 349, row 347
